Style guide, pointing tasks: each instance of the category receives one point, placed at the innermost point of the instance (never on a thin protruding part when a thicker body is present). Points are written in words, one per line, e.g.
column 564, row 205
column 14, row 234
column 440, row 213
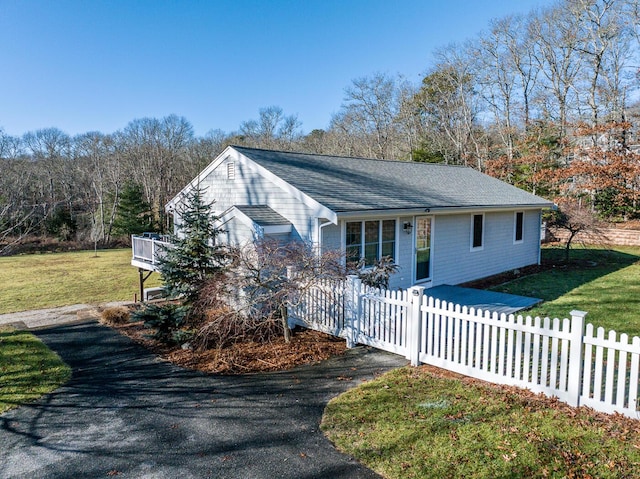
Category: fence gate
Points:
column 382, row 320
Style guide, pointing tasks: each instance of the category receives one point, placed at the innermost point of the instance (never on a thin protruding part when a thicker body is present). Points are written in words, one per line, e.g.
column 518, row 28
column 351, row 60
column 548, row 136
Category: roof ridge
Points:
column 351, row 157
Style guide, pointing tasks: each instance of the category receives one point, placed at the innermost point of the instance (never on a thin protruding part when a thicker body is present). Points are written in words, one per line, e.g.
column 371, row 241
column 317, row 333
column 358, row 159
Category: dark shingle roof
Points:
column 346, row 184
column 263, row 215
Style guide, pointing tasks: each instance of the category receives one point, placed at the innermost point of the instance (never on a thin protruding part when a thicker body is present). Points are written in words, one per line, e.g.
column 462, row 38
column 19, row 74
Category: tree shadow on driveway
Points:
column 126, row 412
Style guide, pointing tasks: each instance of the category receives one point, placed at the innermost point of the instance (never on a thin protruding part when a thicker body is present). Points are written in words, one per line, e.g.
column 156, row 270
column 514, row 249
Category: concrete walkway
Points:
column 124, row 413
column 43, row 318
column 482, row 299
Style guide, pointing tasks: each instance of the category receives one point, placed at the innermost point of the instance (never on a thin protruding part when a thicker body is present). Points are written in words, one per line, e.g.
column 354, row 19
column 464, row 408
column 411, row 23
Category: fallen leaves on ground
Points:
column 616, row 425
column 306, row 347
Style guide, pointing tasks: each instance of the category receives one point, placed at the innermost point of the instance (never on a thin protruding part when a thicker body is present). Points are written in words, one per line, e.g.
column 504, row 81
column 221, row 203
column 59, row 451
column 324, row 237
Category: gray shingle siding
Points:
column 250, row 188
column 237, row 233
column 331, row 238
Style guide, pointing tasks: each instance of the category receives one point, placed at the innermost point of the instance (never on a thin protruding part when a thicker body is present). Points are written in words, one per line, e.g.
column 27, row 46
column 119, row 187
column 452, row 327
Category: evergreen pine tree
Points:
column 195, row 255
column 134, row 213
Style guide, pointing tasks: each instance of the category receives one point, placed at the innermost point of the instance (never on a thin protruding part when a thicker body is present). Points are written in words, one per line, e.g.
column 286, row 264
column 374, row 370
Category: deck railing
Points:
column 149, row 248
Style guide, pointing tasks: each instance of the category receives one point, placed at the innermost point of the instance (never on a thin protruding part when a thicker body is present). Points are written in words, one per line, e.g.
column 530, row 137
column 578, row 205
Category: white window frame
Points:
column 515, row 227
column 472, row 233
column 380, row 242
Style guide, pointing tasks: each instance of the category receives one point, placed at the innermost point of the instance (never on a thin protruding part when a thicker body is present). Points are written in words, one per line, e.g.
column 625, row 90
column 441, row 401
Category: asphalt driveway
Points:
column 126, row 414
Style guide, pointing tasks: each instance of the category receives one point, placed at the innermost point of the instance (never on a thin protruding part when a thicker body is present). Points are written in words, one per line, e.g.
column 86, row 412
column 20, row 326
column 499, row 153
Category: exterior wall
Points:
column 250, row 188
column 452, row 260
column 237, row 233
column 455, row 263
column 331, row 239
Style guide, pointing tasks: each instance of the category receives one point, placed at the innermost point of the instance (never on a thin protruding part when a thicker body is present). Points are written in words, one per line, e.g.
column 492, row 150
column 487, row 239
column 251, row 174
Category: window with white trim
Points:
column 371, row 240
column 518, row 230
column 477, row 232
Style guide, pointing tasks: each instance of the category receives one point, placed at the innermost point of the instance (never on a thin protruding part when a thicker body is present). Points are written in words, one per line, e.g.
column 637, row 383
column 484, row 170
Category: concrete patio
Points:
column 482, row 299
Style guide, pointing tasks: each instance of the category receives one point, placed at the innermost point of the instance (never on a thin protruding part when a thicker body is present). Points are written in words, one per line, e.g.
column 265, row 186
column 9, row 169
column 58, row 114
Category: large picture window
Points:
column 370, row 240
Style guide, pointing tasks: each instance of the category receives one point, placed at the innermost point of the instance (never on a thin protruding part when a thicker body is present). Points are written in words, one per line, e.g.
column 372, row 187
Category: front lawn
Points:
column 426, row 423
column 35, row 281
column 605, row 283
column 28, row 369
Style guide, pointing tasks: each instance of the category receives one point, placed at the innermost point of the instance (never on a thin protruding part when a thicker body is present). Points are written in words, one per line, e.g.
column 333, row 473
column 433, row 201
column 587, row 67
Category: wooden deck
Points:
column 146, row 251
column 481, row 299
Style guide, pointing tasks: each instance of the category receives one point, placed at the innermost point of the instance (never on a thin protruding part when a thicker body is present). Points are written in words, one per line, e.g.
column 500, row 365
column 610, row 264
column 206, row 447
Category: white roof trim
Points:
column 449, row 210
column 276, row 229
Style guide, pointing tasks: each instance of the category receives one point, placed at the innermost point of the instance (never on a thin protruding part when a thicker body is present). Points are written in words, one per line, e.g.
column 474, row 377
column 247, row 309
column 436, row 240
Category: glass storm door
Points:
column 423, row 247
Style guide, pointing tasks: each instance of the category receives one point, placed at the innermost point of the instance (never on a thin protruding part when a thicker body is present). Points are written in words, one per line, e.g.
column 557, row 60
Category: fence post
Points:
column 414, row 324
column 352, row 309
column 575, row 357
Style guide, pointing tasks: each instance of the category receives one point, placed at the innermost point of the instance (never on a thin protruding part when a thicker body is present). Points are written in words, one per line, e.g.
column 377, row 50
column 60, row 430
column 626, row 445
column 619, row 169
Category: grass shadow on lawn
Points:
column 604, row 283
column 559, row 278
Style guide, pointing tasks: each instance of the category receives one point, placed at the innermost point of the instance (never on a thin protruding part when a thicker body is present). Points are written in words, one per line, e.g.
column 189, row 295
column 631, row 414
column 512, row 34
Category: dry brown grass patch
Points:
column 117, row 315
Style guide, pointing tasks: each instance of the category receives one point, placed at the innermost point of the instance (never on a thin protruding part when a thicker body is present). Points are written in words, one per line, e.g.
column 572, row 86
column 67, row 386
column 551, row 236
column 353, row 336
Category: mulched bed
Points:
column 306, row 347
column 498, row 279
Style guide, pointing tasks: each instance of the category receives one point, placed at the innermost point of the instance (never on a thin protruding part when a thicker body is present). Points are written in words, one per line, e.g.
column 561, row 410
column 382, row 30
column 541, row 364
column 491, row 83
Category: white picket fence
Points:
column 561, row 358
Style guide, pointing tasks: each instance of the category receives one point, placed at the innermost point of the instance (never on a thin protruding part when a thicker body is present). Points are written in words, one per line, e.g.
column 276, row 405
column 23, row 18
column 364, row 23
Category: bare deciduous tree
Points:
column 574, row 221
column 270, row 276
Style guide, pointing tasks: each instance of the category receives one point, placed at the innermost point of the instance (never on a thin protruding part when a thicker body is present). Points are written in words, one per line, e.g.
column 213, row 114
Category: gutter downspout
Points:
column 320, row 226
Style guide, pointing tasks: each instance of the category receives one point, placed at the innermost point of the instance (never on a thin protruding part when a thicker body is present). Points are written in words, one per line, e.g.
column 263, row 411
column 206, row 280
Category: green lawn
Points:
column 411, row 423
column 604, row 283
column 28, row 369
column 37, row 281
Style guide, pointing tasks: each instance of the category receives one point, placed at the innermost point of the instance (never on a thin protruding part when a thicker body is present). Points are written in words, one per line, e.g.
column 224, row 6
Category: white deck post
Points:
column 352, row 292
column 414, row 328
column 575, row 357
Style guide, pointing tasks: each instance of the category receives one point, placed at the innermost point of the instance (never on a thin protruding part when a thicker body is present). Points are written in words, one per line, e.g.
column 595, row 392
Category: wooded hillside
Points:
column 546, row 101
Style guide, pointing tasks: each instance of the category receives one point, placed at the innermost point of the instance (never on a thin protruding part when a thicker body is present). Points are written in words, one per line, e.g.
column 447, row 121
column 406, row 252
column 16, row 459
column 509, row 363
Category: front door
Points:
column 423, row 247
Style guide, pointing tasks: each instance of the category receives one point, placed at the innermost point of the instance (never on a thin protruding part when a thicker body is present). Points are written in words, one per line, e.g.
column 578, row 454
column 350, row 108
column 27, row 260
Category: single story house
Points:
column 441, row 224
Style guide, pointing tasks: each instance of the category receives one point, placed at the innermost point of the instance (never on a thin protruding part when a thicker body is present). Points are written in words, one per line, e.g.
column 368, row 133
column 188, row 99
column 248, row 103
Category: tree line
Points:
column 546, row 101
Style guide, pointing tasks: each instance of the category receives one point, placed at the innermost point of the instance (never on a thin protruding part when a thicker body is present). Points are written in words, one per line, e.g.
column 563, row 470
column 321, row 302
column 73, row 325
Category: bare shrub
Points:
column 224, row 327
column 250, row 301
column 378, row 275
column 270, row 275
column 117, row 315
column 576, row 222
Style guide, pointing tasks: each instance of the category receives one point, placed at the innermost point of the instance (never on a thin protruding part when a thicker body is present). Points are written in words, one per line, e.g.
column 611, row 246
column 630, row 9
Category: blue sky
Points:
column 91, row 65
